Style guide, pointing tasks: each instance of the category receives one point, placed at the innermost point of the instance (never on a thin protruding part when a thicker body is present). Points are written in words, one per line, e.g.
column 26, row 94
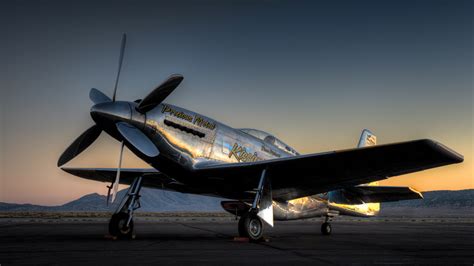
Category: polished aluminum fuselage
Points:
column 188, row 140
column 220, row 143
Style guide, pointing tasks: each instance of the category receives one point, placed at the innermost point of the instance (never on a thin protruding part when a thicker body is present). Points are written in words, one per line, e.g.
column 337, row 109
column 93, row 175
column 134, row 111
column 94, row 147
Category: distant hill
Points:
column 154, row 200
column 438, row 199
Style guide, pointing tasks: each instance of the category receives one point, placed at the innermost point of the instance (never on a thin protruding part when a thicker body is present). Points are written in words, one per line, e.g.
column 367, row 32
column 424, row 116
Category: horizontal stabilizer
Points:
column 369, row 194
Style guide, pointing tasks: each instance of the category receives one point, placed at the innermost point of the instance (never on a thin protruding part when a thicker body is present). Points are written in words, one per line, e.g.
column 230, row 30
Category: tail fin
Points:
column 367, row 138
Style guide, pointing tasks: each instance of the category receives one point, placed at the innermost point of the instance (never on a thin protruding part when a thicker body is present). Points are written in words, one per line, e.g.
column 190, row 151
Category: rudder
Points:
column 367, row 138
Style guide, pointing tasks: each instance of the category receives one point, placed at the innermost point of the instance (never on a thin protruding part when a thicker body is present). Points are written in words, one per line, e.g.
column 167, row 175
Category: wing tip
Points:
column 454, row 156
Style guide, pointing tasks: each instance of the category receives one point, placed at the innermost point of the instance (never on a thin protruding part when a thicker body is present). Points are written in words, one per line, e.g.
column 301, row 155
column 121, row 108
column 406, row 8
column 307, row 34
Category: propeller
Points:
column 159, row 94
column 80, row 144
column 97, row 96
column 117, row 177
column 122, row 50
column 138, row 140
column 90, row 135
column 132, row 135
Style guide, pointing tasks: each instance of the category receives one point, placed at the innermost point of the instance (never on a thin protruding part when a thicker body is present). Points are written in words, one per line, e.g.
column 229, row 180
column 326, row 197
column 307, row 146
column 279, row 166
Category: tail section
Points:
column 344, row 201
column 367, row 139
column 364, row 199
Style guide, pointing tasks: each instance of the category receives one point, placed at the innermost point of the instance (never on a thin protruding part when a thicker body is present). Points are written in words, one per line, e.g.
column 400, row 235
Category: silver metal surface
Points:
column 136, row 138
column 181, row 143
column 187, row 139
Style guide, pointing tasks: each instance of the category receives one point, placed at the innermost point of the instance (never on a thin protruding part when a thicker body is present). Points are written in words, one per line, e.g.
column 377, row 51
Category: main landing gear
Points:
column 250, row 223
column 121, row 223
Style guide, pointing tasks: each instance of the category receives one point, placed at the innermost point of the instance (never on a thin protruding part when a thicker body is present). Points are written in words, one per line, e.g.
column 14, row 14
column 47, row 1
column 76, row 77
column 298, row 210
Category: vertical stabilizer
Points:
column 367, row 138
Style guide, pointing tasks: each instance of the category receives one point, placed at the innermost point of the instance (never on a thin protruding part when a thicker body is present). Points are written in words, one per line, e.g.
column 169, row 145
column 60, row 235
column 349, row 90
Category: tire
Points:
column 251, row 226
column 326, row 229
column 117, row 226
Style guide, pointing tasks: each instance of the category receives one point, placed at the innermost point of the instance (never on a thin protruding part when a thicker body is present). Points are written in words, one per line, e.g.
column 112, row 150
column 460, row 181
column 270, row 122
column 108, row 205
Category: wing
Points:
column 384, row 194
column 305, row 175
column 151, row 177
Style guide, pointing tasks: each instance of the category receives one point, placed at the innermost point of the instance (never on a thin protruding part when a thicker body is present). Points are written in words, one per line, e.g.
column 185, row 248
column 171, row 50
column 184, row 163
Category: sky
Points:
column 314, row 73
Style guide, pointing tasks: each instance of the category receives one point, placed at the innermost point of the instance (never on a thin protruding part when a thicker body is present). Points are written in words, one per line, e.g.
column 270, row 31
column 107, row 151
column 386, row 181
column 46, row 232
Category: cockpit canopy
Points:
column 269, row 138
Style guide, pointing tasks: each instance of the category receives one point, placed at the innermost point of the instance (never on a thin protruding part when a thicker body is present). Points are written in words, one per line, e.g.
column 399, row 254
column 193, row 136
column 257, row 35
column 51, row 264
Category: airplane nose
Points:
column 110, row 112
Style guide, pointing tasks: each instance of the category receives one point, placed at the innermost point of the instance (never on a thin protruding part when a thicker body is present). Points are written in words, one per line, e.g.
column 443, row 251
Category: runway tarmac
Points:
column 195, row 242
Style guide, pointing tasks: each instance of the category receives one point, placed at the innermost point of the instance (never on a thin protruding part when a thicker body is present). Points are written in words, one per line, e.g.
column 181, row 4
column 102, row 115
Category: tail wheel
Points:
column 118, row 226
column 251, row 226
column 326, row 228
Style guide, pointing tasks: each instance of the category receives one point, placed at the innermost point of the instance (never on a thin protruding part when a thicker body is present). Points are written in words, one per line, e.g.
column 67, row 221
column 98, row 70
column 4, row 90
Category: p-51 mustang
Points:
column 267, row 179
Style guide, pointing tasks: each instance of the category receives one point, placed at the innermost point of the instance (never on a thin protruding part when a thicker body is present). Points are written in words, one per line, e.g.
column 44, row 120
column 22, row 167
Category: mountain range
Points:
column 153, row 200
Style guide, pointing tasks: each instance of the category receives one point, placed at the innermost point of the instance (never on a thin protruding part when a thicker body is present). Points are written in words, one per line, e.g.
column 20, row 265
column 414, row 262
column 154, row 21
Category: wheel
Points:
column 251, row 226
column 326, row 228
column 118, row 228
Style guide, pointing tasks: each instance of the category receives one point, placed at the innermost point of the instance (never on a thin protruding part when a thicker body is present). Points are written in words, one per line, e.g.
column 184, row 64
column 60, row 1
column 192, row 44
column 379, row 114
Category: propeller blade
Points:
column 159, row 94
column 98, row 97
column 80, row 144
column 138, row 139
column 117, row 177
column 122, row 50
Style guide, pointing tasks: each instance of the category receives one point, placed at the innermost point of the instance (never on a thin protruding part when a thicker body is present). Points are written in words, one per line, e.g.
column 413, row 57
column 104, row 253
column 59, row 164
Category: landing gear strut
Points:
column 121, row 223
column 326, row 226
column 250, row 223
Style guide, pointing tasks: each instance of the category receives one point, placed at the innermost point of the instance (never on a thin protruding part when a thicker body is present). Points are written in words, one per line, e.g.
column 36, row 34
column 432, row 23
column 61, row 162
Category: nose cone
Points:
column 110, row 112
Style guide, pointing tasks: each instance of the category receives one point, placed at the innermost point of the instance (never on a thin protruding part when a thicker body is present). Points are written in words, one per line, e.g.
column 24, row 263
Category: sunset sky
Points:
column 312, row 73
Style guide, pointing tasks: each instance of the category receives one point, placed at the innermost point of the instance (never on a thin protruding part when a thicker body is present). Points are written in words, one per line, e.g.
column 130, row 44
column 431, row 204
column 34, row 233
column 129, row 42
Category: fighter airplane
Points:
column 266, row 179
